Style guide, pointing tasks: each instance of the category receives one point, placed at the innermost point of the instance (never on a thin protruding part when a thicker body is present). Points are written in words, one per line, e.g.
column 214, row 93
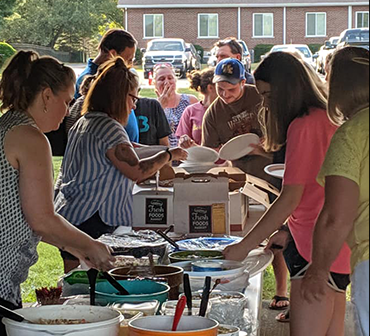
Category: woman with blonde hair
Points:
column 173, row 103
column 190, row 128
column 345, row 175
column 35, row 94
column 295, row 115
column 101, row 165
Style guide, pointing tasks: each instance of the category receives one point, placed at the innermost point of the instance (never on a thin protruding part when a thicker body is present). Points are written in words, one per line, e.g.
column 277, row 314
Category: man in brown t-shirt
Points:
column 234, row 113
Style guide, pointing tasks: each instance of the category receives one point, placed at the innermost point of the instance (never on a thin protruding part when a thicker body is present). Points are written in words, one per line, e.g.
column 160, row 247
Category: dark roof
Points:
column 234, row 3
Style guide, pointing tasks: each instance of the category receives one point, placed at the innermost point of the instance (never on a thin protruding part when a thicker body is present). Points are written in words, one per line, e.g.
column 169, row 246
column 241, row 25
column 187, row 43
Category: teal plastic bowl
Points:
column 140, row 291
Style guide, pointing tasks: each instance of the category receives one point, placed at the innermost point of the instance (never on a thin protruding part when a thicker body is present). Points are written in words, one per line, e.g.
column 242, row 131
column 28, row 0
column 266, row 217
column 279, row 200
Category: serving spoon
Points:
column 5, row 312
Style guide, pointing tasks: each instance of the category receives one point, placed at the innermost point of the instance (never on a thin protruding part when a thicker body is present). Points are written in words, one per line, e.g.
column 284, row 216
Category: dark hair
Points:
column 110, row 90
column 199, row 80
column 86, row 84
column 293, row 93
column 235, row 46
column 27, row 75
column 348, row 83
column 118, row 40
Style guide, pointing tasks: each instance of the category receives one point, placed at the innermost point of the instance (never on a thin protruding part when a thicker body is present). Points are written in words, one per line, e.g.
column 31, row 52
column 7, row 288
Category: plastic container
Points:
column 161, row 326
column 149, row 308
column 206, row 266
column 128, row 317
column 225, row 330
column 140, row 291
column 102, row 321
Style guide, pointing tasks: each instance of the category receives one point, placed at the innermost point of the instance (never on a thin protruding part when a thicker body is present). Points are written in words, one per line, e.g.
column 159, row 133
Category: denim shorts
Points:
column 298, row 267
column 95, row 228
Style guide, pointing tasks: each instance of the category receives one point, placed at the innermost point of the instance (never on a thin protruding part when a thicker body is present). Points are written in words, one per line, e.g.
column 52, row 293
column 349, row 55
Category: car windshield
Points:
column 304, row 50
column 166, row 46
column 356, row 36
column 245, row 48
column 335, row 41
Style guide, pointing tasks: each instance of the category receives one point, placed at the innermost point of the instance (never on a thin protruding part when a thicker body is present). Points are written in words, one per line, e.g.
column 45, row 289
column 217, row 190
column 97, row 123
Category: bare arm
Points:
column 32, row 158
column 124, row 158
column 273, row 219
column 336, row 220
column 164, row 142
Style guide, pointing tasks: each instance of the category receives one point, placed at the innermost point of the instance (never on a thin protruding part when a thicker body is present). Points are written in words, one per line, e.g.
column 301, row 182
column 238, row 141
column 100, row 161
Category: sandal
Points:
column 284, row 317
column 276, row 299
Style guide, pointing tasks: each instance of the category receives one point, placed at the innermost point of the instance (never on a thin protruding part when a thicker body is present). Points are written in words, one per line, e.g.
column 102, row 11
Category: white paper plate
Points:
column 258, row 261
column 239, row 147
column 276, row 170
column 202, row 154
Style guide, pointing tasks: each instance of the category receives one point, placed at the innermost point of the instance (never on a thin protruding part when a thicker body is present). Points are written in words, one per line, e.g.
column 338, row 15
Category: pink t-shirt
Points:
column 308, row 140
column 191, row 122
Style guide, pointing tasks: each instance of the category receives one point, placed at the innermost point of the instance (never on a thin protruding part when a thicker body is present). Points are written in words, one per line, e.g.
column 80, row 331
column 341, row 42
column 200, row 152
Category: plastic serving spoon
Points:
column 5, row 312
column 179, row 312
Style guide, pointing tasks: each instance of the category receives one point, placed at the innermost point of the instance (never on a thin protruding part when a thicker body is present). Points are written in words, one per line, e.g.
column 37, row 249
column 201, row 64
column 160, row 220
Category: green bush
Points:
column 201, row 49
column 261, row 49
column 315, row 47
column 139, row 57
column 6, row 51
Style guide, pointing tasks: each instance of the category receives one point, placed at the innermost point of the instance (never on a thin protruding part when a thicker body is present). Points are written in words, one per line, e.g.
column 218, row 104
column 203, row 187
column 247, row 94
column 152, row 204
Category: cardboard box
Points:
column 153, row 209
column 202, row 204
column 239, row 208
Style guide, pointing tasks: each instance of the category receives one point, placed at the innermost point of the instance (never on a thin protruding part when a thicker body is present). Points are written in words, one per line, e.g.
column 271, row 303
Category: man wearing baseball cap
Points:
column 234, row 113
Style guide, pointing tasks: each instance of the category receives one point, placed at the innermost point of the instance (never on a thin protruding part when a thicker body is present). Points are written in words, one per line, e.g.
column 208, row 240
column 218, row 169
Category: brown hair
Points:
column 235, row 46
column 348, row 84
column 199, row 80
column 27, row 75
column 110, row 90
column 86, row 84
column 118, row 40
column 293, row 93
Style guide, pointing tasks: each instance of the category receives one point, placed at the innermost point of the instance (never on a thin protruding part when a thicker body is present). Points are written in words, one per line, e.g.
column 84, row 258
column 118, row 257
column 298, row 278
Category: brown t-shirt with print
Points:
column 223, row 122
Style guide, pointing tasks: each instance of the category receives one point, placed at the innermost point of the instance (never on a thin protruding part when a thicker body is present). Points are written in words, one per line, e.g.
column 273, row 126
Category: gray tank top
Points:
column 18, row 243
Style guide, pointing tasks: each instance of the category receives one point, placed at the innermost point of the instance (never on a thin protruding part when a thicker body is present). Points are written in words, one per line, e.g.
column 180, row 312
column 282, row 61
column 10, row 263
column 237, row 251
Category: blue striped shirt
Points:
column 89, row 181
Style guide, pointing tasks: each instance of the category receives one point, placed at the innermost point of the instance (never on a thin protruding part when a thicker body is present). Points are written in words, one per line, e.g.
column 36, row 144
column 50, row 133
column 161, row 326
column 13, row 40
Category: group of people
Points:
column 320, row 132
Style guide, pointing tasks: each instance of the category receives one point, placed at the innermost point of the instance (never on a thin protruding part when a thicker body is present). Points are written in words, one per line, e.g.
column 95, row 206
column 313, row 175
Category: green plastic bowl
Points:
column 200, row 255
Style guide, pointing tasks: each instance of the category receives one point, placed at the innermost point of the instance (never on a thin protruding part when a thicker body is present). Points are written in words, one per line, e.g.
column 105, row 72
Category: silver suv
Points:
column 171, row 51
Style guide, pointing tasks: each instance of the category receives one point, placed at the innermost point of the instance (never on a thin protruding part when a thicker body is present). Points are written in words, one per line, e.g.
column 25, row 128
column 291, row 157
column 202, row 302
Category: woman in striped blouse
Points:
column 100, row 165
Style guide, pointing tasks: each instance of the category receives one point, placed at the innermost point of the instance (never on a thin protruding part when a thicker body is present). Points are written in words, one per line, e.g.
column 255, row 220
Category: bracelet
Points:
column 168, row 151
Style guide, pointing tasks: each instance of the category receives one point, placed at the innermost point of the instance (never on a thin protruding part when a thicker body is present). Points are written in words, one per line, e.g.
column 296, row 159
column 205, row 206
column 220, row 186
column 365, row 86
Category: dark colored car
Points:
column 355, row 38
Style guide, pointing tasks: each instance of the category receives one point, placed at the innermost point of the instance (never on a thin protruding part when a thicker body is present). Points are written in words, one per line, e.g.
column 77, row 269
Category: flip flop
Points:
column 284, row 317
column 278, row 299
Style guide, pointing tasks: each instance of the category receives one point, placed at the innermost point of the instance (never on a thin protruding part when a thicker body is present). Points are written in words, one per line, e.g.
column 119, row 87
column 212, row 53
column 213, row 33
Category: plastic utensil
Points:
column 92, row 275
column 168, row 239
column 188, row 294
column 115, row 284
column 5, row 312
column 205, row 297
column 179, row 312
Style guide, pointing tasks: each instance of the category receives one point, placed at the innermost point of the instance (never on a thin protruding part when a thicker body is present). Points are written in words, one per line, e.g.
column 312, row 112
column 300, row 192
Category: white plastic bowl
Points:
column 102, row 321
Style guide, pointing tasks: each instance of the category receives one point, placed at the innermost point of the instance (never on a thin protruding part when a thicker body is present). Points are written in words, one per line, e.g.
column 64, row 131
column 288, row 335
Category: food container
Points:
column 195, row 256
column 140, row 291
column 149, row 308
column 173, row 275
column 161, row 326
column 228, row 330
column 206, row 266
column 169, row 308
column 128, row 317
column 102, row 321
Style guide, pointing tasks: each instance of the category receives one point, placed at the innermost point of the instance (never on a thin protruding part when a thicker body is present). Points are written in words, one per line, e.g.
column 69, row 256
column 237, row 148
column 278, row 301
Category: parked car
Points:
column 302, row 48
column 355, row 38
column 171, row 51
column 246, row 57
column 328, row 48
column 194, row 58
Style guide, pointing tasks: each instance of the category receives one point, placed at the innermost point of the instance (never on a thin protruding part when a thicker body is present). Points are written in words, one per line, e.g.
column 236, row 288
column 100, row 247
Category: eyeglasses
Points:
column 134, row 98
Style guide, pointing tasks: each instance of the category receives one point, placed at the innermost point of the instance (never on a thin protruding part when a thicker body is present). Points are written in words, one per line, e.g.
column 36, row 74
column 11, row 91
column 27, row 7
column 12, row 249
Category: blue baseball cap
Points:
column 229, row 70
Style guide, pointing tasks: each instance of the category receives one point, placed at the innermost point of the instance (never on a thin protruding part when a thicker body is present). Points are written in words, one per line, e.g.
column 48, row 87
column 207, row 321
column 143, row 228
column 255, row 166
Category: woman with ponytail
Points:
column 345, row 175
column 190, row 128
column 95, row 189
column 35, row 94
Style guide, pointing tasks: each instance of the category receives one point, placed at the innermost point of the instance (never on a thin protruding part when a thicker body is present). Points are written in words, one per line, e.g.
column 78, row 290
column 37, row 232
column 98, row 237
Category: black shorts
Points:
column 298, row 266
column 11, row 307
column 95, row 228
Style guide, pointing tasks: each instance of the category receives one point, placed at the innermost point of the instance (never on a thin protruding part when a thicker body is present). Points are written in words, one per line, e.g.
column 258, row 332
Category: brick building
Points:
column 203, row 22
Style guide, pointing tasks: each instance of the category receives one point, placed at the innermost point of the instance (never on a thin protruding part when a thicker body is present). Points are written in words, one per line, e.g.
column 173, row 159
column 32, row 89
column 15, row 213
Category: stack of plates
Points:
column 200, row 160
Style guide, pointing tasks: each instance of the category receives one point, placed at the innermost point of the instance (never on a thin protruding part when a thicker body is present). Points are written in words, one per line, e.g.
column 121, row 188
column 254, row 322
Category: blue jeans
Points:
column 360, row 298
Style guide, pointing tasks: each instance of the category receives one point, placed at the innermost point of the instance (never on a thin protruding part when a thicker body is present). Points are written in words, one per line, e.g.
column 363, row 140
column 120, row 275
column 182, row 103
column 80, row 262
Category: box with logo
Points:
column 202, row 204
column 153, row 208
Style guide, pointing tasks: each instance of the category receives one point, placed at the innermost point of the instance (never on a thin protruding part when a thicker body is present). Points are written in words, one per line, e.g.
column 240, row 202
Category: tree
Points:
column 55, row 23
column 6, row 8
